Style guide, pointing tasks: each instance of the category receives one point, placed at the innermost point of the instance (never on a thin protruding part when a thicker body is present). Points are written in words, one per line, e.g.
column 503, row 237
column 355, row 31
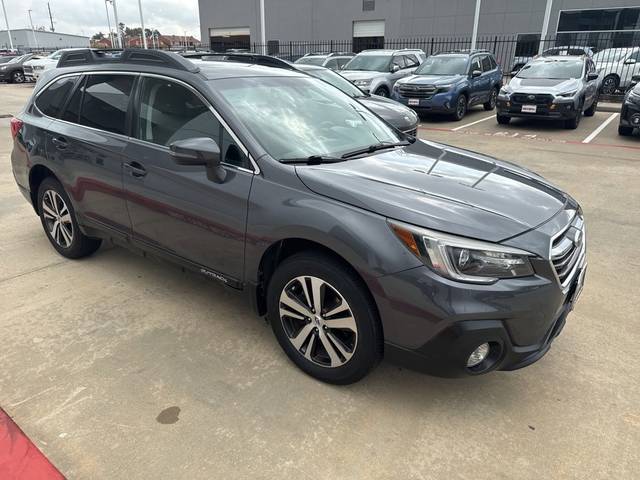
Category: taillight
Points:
column 16, row 125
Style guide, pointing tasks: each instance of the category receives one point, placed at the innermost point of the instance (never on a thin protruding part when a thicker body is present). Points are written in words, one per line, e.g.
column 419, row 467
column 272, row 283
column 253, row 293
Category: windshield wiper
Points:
column 312, row 160
column 375, row 148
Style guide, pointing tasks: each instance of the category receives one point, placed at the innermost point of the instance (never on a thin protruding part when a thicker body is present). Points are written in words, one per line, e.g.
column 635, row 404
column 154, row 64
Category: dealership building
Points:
column 27, row 39
column 235, row 23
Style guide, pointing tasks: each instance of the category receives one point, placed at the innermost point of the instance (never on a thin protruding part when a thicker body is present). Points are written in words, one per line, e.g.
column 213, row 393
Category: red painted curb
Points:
column 20, row 459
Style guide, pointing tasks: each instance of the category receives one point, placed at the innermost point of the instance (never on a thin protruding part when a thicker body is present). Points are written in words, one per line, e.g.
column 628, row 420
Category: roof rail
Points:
column 138, row 56
column 243, row 57
column 464, row 50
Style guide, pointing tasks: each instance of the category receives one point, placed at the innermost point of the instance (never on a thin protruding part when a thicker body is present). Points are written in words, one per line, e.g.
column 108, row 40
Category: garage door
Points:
column 228, row 32
column 368, row 28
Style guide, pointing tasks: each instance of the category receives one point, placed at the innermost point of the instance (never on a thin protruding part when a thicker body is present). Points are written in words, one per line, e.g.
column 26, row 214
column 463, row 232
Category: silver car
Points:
column 376, row 71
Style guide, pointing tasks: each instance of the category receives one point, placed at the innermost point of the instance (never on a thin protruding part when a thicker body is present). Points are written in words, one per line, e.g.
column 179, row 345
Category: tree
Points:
column 98, row 36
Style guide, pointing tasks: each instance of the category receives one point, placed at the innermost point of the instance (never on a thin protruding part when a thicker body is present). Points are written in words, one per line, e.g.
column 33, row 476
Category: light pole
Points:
column 106, row 9
column 545, row 25
column 6, row 19
column 144, row 36
column 263, row 35
column 118, row 32
column 33, row 30
column 476, row 18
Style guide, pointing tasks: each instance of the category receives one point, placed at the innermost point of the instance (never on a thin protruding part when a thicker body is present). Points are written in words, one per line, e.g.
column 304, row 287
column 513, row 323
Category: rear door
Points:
column 591, row 88
column 177, row 208
column 476, row 83
column 87, row 141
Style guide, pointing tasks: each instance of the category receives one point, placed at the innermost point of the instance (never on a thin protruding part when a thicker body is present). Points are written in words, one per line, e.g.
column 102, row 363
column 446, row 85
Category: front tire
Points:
column 503, row 119
column 572, row 123
column 58, row 219
column 591, row 111
column 460, row 108
column 324, row 318
column 625, row 131
column 17, row 77
column 610, row 84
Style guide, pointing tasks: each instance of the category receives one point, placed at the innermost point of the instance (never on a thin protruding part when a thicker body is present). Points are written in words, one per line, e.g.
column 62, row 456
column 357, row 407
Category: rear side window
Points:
column 51, row 101
column 486, row 64
column 72, row 111
column 493, row 62
column 105, row 102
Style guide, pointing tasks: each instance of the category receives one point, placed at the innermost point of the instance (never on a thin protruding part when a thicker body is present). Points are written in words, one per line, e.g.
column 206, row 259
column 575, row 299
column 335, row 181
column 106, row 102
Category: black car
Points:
column 355, row 240
column 13, row 70
column 630, row 114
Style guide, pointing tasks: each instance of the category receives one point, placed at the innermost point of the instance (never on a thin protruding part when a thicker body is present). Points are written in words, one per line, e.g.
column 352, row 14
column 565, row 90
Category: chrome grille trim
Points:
column 568, row 251
column 417, row 91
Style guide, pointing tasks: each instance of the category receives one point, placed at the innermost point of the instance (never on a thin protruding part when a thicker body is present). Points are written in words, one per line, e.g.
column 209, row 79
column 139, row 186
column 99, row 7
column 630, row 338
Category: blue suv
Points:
column 451, row 83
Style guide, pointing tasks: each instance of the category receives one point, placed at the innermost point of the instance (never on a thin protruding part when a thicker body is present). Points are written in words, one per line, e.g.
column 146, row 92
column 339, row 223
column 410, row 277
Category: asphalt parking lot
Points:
column 118, row 366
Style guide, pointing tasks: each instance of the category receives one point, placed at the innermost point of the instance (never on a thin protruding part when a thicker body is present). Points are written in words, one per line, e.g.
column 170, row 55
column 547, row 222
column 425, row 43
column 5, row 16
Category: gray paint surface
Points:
column 300, row 20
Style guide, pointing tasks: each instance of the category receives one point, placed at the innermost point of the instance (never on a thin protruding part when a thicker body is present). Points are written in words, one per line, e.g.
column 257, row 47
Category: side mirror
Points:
column 635, row 80
column 395, row 68
column 476, row 73
column 199, row 151
column 630, row 61
column 592, row 76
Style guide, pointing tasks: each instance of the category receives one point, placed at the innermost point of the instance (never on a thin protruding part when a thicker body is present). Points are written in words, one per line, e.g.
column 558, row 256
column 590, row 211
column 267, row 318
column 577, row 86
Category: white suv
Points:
column 616, row 67
column 34, row 68
column 376, row 71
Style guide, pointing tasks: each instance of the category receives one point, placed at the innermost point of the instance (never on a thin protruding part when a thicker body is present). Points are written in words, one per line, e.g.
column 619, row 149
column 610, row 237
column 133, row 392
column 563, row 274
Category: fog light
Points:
column 478, row 355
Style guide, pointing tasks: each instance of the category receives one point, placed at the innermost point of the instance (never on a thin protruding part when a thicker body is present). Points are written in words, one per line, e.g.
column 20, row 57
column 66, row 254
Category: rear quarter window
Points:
column 52, row 99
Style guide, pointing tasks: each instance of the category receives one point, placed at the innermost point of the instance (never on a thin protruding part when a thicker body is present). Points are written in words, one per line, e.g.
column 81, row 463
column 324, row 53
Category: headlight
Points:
column 504, row 91
column 463, row 259
column 633, row 97
column 567, row 94
column 4, row 67
column 362, row 83
column 444, row 88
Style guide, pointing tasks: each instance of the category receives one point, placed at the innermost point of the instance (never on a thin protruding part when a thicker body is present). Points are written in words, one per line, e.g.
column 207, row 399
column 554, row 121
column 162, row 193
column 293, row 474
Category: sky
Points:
column 86, row 17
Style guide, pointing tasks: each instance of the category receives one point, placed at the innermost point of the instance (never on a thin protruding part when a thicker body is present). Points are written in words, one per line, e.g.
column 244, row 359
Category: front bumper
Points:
column 553, row 111
column 630, row 115
column 438, row 103
column 433, row 324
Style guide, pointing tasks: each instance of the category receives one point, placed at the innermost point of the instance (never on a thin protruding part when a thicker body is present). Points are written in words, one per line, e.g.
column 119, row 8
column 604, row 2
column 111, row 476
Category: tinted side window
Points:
column 51, row 101
column 72, row 111
column 412, row 60
column 170, row 112
column 105, row 102
column 475, row 65
column 343, row 61
column 398, row 60
column 331, row 63
column 486, row 64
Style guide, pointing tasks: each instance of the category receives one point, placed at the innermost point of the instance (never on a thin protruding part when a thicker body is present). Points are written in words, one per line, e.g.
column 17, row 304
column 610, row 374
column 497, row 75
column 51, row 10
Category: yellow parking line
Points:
column 472, row 123
column 602, row 126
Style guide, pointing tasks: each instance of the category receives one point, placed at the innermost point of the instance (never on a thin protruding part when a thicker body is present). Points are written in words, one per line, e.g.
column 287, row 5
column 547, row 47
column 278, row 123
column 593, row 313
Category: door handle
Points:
column 60, row 142
column 135, row 169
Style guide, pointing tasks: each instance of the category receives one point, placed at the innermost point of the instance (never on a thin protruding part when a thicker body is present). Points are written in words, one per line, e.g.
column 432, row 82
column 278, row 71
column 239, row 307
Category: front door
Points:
column 177, row 208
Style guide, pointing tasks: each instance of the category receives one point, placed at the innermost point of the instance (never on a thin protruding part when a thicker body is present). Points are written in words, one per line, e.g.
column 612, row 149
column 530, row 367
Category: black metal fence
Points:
column 616, row 54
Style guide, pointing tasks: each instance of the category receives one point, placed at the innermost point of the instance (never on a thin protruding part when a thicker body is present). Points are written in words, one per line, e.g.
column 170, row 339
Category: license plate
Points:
column 529, row 108
column 414, row 101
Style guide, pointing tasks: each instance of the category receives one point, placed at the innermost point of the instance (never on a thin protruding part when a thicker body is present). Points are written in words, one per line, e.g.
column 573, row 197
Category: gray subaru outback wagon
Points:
column 355, row 240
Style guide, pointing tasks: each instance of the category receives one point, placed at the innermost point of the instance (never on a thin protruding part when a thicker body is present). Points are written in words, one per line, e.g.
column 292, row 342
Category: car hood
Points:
column 442, row 188
column 360, row 74
column 543, row 85
column 401, row 117
column 41, row 61
column 430, row 79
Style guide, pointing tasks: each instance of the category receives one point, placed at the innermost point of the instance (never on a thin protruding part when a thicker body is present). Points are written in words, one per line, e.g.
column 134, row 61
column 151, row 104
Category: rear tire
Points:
column 610, row 84
column 59, row 222
column 625, row 131
column 491, row 104
column 317, row 284
column 503, row 119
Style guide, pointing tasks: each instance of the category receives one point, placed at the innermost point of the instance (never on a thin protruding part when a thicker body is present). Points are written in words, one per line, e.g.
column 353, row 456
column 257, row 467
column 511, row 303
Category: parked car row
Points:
column 357, row 241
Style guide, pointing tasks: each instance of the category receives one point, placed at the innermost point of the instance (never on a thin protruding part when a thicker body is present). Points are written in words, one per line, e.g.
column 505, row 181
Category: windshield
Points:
column 610, row 55
column 370, row 63
column 552, row 69
column 55, row 55
column 294, row 117
column 337, row 81
column 443, row 65
column 311, row 60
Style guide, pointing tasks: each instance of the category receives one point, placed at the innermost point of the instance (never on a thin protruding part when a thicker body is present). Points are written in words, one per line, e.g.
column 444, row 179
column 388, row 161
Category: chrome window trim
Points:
column 256, row 168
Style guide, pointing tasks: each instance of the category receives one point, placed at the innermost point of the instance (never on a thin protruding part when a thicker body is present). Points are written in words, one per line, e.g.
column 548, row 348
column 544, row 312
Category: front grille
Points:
column 568, row 251
column 532, row 99
column 38, row 67
column 417, row 91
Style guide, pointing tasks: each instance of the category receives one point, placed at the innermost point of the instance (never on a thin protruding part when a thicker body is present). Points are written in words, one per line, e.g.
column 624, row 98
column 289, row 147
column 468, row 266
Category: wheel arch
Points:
column 37, row 174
